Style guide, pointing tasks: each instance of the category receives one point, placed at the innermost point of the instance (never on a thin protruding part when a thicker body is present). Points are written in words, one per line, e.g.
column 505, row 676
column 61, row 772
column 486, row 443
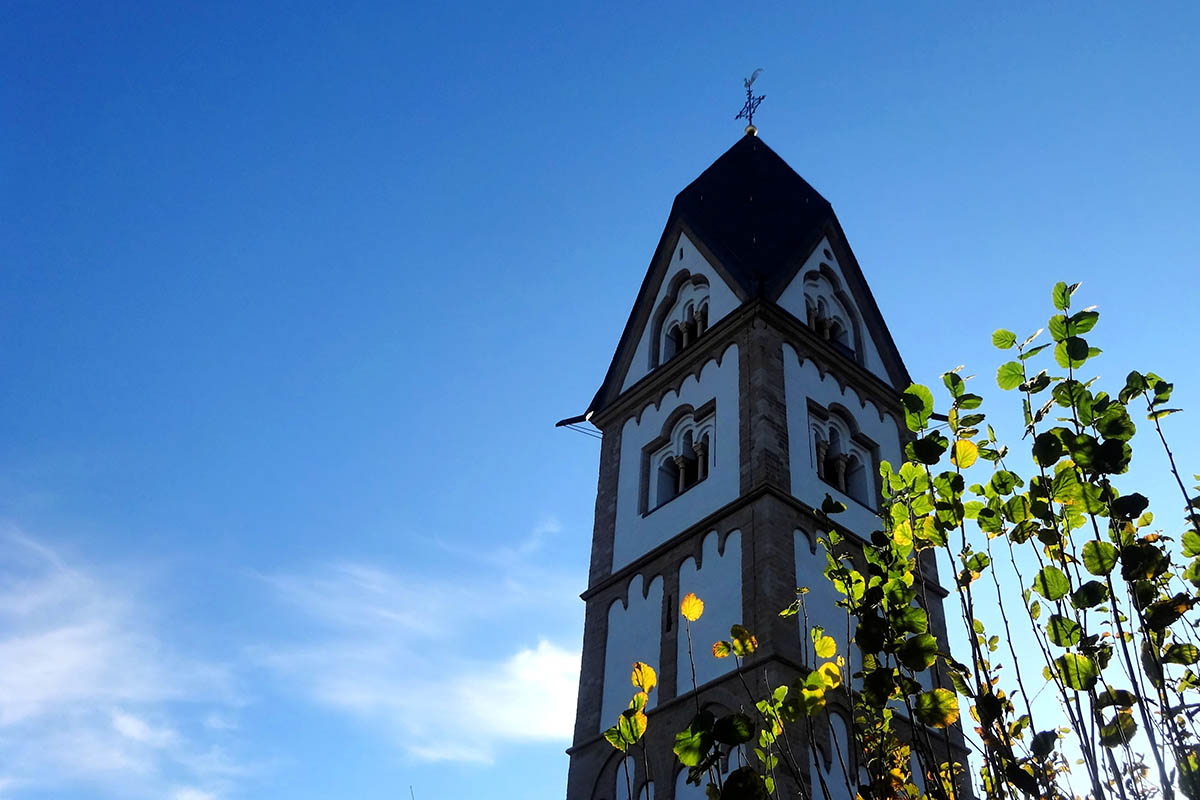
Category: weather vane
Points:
column 747, row 112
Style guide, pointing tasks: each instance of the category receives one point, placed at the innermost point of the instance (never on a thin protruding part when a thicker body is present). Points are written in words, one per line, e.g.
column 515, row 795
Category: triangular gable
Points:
column 632, row 361
column 830, row 262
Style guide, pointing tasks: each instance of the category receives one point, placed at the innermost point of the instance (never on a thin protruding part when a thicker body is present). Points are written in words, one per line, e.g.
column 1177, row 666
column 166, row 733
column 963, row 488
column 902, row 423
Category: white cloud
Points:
column 89, row 694
column 189, row 793
column 390, row 650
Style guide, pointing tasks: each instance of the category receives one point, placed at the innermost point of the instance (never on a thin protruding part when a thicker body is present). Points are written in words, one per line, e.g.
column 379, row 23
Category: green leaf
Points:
column 743, row 641
column 1063, row 631
column 693, row 742
column 918, row 652
column 1058, row 327
column 733, row 729
column 1121, row 698
column 1090, row 595
column 1118, row 731
column 614, row 738
column 1077, row 671
column 938, row 708
column 1182, row 654
column 1010, row 375
column 1099, row 557
column 1043, row 743
column 632, row 724
column 831, row 506
column 1163, row 412
column 1191, row 544
column 918, row 406
column 1061, row 295
column 1047, row 449
column 1051, row 583
column 1004, row 339
column 1129, row 506
column 1072, row 352
column 929, row 449
column 1083, row 321
column 1031, row 352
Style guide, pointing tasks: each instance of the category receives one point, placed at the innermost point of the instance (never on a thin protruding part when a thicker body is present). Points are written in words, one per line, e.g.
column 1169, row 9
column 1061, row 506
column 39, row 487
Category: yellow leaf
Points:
column 826, row 646
column 722, row 649
column 643, row 676
column 691, row 607
column 830, row 674
column 965, row 453
column 639, row 701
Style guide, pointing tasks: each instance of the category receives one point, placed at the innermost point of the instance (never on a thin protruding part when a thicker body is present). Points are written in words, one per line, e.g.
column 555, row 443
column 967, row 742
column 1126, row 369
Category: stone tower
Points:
column 754, row 376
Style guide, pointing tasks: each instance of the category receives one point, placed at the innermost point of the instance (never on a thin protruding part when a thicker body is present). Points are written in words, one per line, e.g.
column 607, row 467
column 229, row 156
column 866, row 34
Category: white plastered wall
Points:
column 821, row 601
column 721, row 301
column 636, row 533
column 802, row 382
column 833, row 773
column 718, row 582
column 792, row 300
column 633, row 635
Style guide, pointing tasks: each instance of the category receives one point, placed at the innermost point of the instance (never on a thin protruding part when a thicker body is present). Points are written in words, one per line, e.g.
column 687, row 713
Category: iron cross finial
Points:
column 747, row 112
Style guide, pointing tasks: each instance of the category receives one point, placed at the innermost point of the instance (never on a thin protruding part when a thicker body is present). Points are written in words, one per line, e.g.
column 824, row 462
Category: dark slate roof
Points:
column 759, row 220
column 755, row 214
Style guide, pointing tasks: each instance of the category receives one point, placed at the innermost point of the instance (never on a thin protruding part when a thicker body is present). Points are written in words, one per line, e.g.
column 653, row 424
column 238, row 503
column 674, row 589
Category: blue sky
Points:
column 291, row 296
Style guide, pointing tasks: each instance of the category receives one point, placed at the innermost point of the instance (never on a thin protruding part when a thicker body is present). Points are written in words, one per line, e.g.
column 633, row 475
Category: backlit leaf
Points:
column 1063, row 631
column 744, row 642
column 631, row 725
column 1004, row 339
column 1010, row 375
column 1182, row 654
column 722, row 649
column 1077, row 671
column 1099, row 557
column 691, row 607
column 826, row 647
column 1051, row 583
column 692, row 743
column 918, row 406
column 938, row 708
column 643, row 676
column 965, row 453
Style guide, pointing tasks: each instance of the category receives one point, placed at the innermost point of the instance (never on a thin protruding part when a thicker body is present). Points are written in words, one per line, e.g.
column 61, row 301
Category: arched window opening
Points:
column 834, row 469
column 681, row 319
column 842, row 457
column 827, row 313
column 673, row 343
column 856, row 480
column 680, row 458
column 668, row 480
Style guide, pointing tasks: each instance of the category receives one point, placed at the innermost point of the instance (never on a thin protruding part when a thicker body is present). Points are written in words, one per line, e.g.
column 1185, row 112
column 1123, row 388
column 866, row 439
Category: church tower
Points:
column 754, row 376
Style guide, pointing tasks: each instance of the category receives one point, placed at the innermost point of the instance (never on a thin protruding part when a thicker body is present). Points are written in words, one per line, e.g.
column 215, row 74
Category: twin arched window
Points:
column 681, row 319
column 842, row 458
column 828, row 312
column 681, row 458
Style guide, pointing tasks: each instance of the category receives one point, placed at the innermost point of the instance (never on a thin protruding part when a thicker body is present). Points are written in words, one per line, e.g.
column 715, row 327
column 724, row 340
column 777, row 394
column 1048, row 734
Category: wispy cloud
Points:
column 476, row 645
column 89, row 694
